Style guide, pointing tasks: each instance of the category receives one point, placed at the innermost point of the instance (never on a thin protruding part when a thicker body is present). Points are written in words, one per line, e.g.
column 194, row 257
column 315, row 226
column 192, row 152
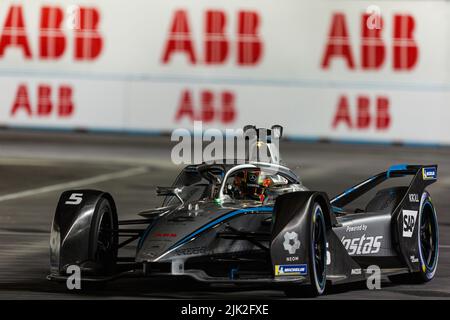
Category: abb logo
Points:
column 52, row 40
column 377, row 117
column 212, row 107
column 216, row 40
column 373, row 50
column 45, row 106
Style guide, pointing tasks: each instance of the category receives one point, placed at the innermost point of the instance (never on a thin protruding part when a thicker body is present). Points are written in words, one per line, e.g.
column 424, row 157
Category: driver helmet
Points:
column 253, row 184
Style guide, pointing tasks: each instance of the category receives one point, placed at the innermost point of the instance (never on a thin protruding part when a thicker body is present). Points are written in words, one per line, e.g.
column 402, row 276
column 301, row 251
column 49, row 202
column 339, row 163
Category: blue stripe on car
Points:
column 219, row 220
column 146, row 232
column 396, row 167
column 350, row 190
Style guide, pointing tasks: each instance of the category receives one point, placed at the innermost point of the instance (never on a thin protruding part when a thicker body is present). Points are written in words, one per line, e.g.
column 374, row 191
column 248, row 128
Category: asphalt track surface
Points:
column 36, row 167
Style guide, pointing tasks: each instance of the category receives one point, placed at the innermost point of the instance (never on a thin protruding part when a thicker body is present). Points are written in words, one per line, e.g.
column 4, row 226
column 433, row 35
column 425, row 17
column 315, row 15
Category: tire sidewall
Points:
column 426, row 272
column 102, row 213
column 318, row 288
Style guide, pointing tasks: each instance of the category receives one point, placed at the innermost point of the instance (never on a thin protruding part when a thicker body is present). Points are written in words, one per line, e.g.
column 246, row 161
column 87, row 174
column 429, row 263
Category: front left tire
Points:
column 104, row 243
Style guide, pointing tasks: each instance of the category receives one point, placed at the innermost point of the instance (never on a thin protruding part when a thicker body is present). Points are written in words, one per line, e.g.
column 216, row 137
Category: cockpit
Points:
column 256, row 184
column 253, row 182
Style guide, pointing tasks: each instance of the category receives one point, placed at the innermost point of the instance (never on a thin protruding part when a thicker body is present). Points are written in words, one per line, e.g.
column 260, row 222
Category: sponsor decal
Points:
column 356, row 271
column 191, row 251
column 86, row 41
column 413, row 197
column 291, row 270
column 165, row 235
column 219, row 40
column 362, row 245
column 409, row 220
column 54, row 101
column 291, row 242
column 413, row 259
column 363, row 114
column 207, row 106
column 292, row 259
column 360, row 227
column 429, row 173
column 340, row 46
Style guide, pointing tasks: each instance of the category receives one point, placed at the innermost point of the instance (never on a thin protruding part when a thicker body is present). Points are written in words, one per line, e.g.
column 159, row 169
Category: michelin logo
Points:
column 291, row 242
column 291, row 270
column 429, row 173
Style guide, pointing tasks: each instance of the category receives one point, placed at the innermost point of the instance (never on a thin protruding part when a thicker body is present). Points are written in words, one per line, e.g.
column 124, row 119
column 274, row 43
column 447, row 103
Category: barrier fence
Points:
column 345, row 70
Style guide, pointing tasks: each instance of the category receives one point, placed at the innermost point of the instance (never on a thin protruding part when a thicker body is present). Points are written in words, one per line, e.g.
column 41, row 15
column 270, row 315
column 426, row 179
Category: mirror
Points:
column 170, row 191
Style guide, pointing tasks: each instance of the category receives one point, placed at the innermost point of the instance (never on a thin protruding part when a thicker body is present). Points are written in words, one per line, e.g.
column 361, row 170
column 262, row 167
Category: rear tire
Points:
column 428, row 244
column 317, row 258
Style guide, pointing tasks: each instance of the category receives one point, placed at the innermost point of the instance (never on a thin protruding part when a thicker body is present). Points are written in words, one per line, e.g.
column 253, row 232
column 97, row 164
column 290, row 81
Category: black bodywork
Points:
column 242, row 241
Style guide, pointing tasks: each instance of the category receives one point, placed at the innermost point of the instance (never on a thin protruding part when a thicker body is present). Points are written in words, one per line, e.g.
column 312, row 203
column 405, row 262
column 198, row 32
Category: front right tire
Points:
column 317, row 257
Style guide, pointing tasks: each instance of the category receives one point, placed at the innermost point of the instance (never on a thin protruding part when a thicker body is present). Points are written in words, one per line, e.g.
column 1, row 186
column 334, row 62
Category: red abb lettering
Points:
column 186, row 108
column 44, row 101
column 405, row 49
column 14, row 33
column 21, row 101
column 65, row 103
column 372, row 48
column 216, row 43
column 88, row 41
column 52, row 40
column 179, row 38
column 249, row 43
column 338, row 44
column 363, row 117
column 363, row 121
column 209, row 110
column 383, row 116
column 228, row 109
column 207, row 102
column 342, row 113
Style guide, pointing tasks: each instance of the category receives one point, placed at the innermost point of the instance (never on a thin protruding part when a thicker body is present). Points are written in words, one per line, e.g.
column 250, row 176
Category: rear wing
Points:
column 424, row 176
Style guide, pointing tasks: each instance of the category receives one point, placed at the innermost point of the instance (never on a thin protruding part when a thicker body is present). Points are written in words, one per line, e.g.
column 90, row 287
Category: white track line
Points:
column 75, row 183
column 161, row 163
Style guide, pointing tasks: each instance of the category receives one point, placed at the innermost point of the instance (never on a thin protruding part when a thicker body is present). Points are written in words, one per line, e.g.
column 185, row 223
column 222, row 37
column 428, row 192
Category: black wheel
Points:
column 428, row 244
column 104, row 244
column 317, row 258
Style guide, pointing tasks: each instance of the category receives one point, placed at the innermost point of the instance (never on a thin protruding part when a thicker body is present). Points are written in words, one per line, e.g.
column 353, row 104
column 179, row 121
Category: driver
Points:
column 251, row 184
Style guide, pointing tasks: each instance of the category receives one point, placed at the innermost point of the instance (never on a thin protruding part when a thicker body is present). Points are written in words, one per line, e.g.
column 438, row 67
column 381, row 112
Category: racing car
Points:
column 255, row 223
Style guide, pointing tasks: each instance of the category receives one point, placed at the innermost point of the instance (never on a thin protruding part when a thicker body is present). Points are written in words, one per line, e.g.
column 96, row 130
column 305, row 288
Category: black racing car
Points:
column 255, row 222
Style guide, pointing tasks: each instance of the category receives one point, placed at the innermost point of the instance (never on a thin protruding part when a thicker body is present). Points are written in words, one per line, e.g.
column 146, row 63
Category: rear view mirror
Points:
column 170, row 191
column 277, row 131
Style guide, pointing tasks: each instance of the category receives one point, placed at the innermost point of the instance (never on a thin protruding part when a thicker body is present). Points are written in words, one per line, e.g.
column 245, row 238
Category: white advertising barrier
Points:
column 362, row 70
column 305, row 112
